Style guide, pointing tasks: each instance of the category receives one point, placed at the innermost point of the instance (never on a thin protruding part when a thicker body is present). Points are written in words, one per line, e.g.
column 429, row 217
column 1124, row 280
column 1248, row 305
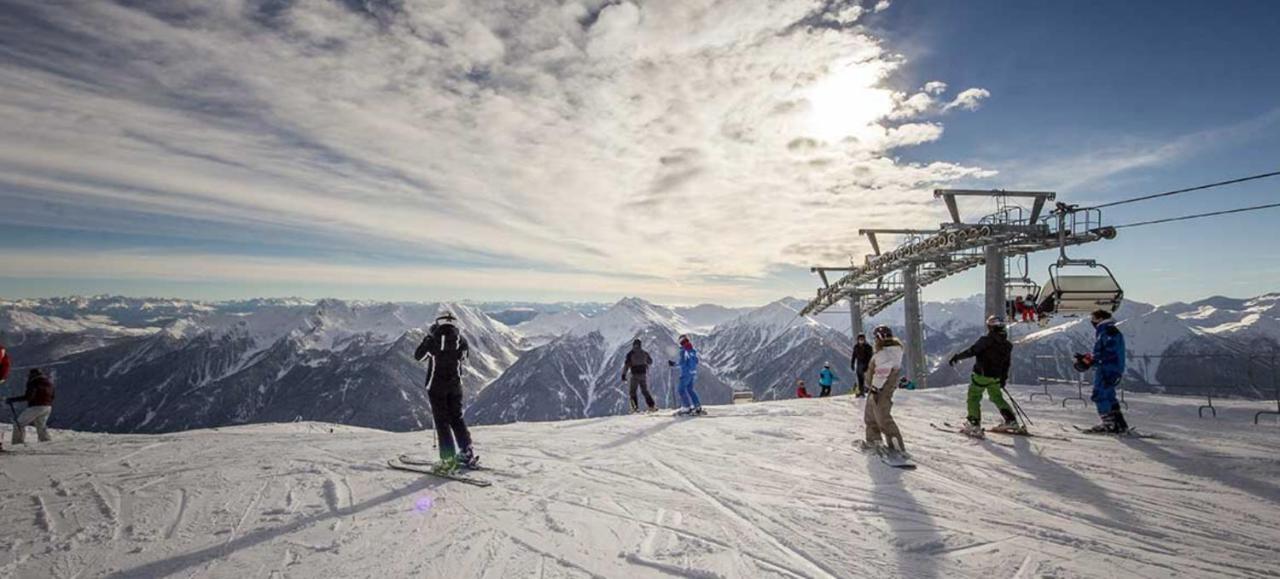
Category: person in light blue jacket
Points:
column 825, row 379
column 688, row 363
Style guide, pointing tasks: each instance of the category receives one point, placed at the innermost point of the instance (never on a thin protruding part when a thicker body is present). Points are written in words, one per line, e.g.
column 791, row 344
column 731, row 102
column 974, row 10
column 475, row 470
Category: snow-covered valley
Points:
column 769, row 489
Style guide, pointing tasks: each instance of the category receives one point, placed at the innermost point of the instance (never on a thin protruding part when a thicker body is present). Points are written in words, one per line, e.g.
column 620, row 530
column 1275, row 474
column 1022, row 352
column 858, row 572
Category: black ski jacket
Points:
column 637, row 362
column 861, row 356
column 993, row 353
column 444, row 349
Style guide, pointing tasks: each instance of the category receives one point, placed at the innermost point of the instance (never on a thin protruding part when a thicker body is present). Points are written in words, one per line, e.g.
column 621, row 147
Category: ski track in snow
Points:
column 770, row 489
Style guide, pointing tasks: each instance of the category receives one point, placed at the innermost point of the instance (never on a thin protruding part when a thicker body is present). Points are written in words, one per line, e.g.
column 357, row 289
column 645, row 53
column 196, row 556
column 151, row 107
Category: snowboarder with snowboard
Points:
column 637, row 363
column 825, row 379
column 445, row 348
column 801, row 391
column 862, row 353
column 688, row 363
column 883, row 371
column 1107, row 362
column 993, row 354
column 39, row 399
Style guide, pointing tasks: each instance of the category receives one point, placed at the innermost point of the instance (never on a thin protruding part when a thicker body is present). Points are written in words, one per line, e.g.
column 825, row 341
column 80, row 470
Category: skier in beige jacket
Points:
column 883, row 374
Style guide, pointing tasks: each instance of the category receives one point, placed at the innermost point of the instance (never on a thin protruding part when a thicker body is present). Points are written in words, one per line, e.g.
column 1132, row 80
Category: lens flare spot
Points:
column 423, row 504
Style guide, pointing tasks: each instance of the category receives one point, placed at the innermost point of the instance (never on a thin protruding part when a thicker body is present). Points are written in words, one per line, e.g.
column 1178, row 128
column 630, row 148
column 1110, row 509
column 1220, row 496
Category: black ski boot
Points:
column 1122, row 425
column 468, row 459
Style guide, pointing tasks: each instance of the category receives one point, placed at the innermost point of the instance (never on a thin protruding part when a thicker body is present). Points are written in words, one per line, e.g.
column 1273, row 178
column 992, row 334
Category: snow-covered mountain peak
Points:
column 775, row 317
column 546, row 327
column 628, row 318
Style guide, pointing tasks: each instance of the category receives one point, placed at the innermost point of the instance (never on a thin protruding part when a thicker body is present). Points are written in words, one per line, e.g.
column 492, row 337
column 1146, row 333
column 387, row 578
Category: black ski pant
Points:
column 826, row 391
column 861, row 372
column 641, row 382
column 446, row 413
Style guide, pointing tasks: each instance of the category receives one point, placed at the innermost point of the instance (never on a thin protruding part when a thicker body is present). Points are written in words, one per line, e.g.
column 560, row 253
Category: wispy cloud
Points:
column 1126, row 153
column 669, row 140
column 969, row 99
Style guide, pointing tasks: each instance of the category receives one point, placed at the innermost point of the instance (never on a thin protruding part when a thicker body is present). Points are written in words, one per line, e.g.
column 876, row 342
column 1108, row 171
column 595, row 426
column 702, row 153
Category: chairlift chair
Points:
column 1076, row 294
column 1024, row 288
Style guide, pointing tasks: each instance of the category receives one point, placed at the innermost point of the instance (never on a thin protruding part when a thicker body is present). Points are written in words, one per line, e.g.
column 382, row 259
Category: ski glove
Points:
column 953, row 361
column 671, row 363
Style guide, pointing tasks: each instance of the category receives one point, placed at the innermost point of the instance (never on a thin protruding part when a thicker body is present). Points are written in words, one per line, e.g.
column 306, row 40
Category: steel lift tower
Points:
column 930, row 255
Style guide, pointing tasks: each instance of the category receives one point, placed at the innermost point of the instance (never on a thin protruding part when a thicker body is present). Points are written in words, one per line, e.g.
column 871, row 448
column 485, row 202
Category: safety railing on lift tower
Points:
column 1257, row 367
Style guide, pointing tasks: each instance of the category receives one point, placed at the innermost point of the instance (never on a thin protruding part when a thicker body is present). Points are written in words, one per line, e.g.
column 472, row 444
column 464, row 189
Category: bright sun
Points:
column 847, row 103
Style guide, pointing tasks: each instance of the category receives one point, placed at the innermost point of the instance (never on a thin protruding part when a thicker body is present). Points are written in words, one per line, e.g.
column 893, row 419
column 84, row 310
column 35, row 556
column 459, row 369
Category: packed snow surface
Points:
column 759, row 490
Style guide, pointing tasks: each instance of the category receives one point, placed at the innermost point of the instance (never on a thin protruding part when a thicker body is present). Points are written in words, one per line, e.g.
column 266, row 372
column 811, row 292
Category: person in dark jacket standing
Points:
column 993, row 353
column 637, row 364
column 1107, row 363
column 445, row 348
column 39, row 399
column 862, row 352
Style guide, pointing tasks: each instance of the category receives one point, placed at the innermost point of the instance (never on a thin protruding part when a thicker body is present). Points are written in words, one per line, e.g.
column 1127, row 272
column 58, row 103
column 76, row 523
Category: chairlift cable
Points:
column 1200, row 215
column 1189, row 189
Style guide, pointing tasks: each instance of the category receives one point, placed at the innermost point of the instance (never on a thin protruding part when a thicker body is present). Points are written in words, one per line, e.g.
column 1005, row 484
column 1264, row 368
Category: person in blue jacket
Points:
column 689, row 403
column 825, row 379
column 1107, row 362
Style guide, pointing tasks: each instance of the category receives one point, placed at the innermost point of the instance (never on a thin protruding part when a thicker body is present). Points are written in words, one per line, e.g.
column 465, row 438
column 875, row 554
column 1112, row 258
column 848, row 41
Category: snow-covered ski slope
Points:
column 761, row 490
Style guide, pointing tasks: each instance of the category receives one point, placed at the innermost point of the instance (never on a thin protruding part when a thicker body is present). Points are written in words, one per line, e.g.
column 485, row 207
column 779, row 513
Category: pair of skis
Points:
column 429, row 467
column 948, row 427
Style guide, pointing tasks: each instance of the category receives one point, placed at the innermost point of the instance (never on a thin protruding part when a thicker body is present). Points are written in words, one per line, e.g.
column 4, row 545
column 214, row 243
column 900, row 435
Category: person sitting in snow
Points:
column 1107, row 362
column 825, row 379
column 801, row 392
column 882, row 434
column 993, row 353
column 39, row 399
column 4, row 364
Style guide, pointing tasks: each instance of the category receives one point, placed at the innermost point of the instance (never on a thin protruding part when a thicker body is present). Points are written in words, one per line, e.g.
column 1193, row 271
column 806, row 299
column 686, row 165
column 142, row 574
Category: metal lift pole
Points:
column 855, row 316
column 995, row 281
column 915, row 362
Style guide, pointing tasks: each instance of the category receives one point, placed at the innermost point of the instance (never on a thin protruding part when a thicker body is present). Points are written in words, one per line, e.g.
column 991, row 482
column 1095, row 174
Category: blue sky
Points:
column 680, row 151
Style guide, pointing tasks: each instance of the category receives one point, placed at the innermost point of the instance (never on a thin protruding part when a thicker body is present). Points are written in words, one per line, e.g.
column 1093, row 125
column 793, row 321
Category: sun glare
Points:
column 847, row 103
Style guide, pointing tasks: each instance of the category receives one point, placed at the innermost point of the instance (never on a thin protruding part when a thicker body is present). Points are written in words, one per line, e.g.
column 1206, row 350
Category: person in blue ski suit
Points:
column 688, row 363
column 825, row 379
column 1107, row 362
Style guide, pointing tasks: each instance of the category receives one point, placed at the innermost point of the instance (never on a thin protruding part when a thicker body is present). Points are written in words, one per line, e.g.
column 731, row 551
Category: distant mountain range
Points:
column 151, row 365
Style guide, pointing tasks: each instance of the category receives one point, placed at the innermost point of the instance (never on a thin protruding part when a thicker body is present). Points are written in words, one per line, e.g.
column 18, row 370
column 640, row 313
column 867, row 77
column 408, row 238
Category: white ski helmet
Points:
column 446, row 318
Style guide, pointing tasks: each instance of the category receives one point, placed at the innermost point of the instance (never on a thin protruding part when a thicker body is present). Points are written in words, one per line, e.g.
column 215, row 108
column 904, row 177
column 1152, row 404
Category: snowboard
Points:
column 426, row 469
column 891, row 459
column 1132, row 433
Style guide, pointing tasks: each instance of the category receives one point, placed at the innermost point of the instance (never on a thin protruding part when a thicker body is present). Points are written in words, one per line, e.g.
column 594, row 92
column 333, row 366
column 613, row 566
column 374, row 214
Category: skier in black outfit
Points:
column 862, row 352
column 444, row 348
column 993, row 355
column 637, row 363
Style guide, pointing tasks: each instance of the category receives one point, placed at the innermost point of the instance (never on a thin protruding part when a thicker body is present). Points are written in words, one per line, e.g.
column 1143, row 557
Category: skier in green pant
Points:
column 993, row 353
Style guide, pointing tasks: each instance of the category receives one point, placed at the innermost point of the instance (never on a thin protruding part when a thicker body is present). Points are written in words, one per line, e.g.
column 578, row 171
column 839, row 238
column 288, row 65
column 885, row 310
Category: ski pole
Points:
column 1017, row 407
